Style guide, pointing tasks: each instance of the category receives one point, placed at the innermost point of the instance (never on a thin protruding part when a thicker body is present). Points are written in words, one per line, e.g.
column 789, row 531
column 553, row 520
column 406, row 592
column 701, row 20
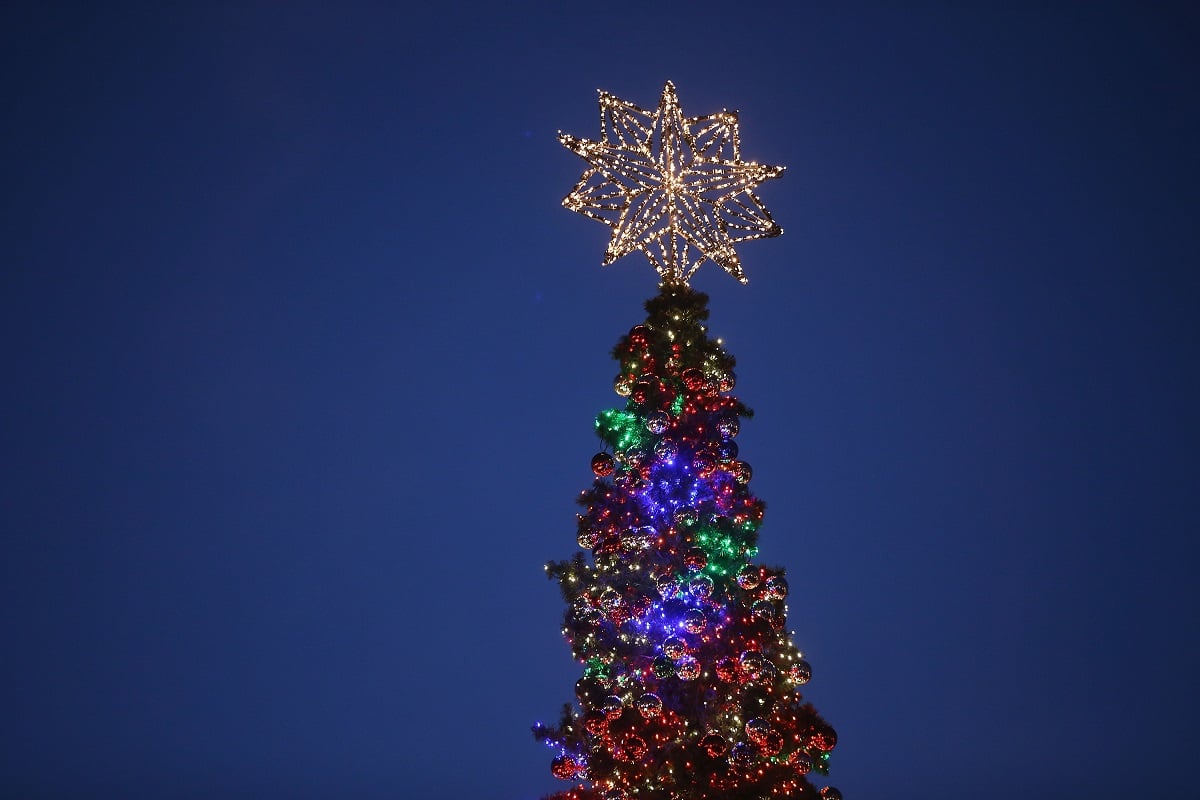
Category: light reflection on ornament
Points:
column 611, row 600
column 612, row 707
column 588, row 538
column 694, row 621
column 714, row 745
column 638, row 538
column 757, row 729
column 687, row 668
column 742, row 755
column 776, row 587
column 564, row 768
column 649, row 705
column 695, row 559
column 633, row 748
column 762, row 609
column 800, row 672
column 749, row 576
column 674, row 648
column 751, row 663
column 800, row 762
column 603, row 465
column 701, row 586
column 666, row 451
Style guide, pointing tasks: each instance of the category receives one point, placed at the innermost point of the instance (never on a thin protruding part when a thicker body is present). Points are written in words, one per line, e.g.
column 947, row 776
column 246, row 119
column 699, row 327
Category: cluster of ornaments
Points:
column 691, row 684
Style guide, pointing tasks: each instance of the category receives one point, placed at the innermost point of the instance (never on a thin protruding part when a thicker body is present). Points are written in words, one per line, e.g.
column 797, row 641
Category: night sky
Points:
column 301, row 359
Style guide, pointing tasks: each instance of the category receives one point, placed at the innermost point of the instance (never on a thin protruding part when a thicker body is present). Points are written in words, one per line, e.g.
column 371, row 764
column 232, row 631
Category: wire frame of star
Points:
column 673, row 187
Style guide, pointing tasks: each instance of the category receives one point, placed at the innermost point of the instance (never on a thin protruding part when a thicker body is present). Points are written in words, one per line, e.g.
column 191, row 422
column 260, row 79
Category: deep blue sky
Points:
column 301, row 357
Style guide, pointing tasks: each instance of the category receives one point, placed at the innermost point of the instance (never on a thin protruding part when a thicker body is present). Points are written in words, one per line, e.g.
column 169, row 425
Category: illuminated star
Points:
column 673, row 187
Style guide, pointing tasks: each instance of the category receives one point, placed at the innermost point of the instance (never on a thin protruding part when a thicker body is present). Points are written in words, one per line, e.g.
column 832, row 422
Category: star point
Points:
column 674, row 188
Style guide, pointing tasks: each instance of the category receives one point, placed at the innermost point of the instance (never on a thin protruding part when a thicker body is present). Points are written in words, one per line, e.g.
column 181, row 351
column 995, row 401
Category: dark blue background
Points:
column 301, row 357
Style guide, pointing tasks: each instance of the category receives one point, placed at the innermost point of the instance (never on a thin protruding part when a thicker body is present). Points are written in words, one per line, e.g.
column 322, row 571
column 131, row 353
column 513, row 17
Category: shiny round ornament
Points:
column 633, row 748
column 626, row 479
column 588, row 538
column 769, row 673
column 609, row 543
column 830, row 793
column 643, row 391
column 800, row 672
column 674, row 648
column 714, row 745
column 701, row 586
column 603, row 464
column 693, row 379
column 623, row 385
column 727, row 451
column 704, row 463
column 657, row 422
column 726, row 669
column 824, row 739
column 667, row 587
column 749, row 576
column 616, row 794
column 596, row 723
column 695, row 559
column 687, row 668
column 771, row 744
column 728, row 427
column 762, row 609
column 663, row 667
column 639, row 336
column 726, row 381
column 564, row 768
column 611, row 600
column 757, row 730
column 612, row 707
column 637, row 457
column 776, row 587
column 800, row 762
column 666, row 451
column 742, row 472
column 694, row 621
column 752, row 663
column 742, row 755
column 649, row 705
column 636, row 539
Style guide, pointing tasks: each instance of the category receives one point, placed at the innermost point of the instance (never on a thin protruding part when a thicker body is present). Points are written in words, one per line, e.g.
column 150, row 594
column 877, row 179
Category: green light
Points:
column 595, row 669
column 621, row 429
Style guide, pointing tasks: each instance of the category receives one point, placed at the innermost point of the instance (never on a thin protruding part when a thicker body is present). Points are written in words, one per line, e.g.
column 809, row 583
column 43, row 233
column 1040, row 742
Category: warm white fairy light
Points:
column 673, row 187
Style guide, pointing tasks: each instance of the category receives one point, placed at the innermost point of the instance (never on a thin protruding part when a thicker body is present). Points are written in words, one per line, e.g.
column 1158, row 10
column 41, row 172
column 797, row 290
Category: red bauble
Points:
column 564, row 768
column 714, row 745
column 596, row 722
column 824, row 739
column 603, row 464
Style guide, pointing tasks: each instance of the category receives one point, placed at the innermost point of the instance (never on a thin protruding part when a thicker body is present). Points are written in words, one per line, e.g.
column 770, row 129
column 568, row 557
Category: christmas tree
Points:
column 690, row 685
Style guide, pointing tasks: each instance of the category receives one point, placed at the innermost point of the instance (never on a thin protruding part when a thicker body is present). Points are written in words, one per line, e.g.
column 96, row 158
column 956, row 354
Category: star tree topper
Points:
column 671, row 186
